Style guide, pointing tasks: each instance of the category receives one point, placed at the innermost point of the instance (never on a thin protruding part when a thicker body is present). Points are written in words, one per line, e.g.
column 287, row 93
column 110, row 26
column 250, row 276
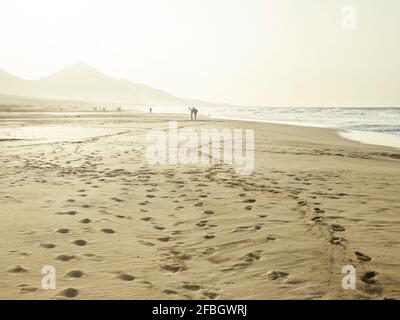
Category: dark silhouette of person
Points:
column 193, row 113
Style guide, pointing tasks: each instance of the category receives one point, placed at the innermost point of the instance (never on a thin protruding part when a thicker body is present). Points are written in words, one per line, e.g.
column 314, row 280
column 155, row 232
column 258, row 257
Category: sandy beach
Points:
column 115, row 227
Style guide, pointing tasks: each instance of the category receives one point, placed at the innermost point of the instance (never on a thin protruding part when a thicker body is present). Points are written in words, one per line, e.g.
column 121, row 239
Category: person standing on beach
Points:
column 191, row 113
column 151, row 111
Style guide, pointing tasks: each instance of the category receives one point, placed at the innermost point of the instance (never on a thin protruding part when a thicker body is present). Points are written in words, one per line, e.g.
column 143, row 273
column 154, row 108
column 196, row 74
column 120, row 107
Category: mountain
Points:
column 7, row 100
column 81, row 82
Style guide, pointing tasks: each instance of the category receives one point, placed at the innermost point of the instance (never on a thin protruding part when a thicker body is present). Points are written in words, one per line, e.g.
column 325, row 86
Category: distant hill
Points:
column 81, row 82
column 13, row 100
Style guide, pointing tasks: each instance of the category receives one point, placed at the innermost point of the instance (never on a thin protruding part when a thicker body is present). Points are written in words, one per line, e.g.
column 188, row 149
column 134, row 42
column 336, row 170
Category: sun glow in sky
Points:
column 258, row 52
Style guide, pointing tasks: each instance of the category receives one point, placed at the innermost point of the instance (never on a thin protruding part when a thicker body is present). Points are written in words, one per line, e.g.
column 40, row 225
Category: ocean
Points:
column 380, row 126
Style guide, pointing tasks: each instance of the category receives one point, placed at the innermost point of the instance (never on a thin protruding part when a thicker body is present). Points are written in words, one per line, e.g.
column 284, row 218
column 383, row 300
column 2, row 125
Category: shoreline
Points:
column 364, row 137
column 377, row 139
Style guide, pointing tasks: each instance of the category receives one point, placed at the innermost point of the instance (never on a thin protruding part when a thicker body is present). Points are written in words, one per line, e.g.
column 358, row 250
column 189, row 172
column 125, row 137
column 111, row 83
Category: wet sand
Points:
column 115, row 227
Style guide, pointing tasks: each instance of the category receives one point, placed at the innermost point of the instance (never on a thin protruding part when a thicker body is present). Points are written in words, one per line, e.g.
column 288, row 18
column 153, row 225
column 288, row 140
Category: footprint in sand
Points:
column 191, row 287
column 47, row 245
column 80, row 243
column 26, row 289
column 159, row 228
column 18, row 269
column 172, row 267
column 202, row 223
column 69, row 213
column 147, row 243
column 337, row 227
column 181, row 256
column 370, row 277
column 249, row 201
column 317, row 219
column 362, row 257
column 85, row 221
column 105, row 230
column 116, row 199
column 252, row 256
column 211, row 295
column 75, row 274
column 275, row 275
column 209, row 236
column 248, row 259
column 168, row 291
column 65, row 257
column 146, row 218
column 164, row 239
column 209, row 212
column 63, row 231
column 126, row 277
column 337, row 241
column 69, row 293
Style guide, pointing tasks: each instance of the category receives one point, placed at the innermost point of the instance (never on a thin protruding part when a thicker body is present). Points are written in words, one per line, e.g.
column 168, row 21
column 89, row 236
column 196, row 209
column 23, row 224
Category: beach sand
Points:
column 115, row 227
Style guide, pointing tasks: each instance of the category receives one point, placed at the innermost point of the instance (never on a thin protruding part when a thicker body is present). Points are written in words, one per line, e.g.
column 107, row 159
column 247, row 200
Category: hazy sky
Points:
column 249, row 52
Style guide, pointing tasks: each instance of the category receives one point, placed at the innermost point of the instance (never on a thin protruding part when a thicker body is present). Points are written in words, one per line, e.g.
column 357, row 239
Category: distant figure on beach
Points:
column 151, row 111
column 193, row 113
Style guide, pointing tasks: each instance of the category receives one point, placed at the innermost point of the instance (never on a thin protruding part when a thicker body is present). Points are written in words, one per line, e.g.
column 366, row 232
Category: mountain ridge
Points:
column 82, row 82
